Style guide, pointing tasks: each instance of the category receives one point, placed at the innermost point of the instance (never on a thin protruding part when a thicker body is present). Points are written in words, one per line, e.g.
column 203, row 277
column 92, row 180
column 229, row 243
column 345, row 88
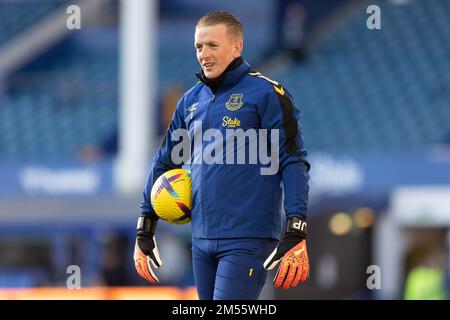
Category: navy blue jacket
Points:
column 236, row 200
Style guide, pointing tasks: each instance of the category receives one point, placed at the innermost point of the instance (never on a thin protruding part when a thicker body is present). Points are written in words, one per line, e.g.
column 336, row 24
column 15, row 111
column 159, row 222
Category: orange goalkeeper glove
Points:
column 146, row 253
column 291, row 251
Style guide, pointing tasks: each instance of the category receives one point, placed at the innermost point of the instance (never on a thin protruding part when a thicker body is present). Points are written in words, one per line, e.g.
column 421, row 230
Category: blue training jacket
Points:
column 236, row 200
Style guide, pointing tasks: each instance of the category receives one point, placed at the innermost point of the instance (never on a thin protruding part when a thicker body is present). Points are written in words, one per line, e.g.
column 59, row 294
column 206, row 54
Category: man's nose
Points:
column 204, row 53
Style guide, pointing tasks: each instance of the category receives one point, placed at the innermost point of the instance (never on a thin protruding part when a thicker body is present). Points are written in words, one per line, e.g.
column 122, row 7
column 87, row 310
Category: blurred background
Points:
column 83, row 107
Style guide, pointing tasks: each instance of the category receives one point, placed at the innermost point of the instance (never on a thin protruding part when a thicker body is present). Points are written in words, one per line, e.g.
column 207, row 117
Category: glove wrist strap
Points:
column 146, row 226
column 296, row 225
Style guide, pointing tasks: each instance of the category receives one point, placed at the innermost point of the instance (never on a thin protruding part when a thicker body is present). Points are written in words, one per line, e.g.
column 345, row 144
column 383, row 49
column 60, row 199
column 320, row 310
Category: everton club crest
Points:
column 235, row 102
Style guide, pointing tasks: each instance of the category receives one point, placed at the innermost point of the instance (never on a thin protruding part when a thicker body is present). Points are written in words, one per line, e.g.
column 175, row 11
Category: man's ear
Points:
column 238, row 47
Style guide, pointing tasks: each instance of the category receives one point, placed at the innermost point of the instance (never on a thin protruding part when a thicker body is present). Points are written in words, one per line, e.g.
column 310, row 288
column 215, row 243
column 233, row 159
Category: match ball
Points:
column 171, row 196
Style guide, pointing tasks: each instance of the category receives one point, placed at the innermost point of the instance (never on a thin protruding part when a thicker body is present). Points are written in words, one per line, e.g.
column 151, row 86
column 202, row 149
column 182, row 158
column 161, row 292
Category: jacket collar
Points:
column 230, row 76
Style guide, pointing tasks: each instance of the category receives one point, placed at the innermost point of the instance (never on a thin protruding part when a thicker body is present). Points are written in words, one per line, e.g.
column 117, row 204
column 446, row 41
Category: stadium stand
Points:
column 17, row 16
column 345, row 88
column 348, row 90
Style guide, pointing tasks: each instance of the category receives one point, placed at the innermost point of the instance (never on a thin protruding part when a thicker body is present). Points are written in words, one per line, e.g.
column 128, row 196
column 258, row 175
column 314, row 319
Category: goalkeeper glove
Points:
column 146, row 254
column 291, row 251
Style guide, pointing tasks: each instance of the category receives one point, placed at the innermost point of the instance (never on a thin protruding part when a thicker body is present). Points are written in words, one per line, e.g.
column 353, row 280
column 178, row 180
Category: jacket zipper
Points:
column 208, row 113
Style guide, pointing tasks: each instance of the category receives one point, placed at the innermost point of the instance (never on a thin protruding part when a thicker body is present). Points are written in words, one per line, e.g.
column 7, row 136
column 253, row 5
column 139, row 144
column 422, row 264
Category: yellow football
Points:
column 171, row 196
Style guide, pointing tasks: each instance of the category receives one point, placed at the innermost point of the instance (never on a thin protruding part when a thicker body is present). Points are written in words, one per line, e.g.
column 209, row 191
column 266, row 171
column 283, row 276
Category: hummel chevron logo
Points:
column 280, row 90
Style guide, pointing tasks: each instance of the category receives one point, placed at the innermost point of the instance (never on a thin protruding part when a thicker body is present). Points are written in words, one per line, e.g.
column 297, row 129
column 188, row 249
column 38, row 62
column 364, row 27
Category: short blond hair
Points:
column 234, row 26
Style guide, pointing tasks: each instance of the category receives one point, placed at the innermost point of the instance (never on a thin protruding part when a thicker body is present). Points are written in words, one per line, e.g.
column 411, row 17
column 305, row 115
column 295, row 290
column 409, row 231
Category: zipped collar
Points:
column 230, row 76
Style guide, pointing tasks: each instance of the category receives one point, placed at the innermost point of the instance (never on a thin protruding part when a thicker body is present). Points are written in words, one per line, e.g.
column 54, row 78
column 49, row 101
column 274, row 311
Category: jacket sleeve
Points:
column 162, row 161
column 278, row 111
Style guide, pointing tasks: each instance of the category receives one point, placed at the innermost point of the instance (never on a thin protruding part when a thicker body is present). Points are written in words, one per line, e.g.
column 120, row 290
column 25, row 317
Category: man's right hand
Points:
column 146, row 253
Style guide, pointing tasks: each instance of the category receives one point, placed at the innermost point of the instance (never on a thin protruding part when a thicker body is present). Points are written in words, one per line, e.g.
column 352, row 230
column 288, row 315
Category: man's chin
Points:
column 211, row 75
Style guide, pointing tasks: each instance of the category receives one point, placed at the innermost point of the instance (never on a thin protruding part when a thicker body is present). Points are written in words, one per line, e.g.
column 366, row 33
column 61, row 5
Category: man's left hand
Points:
column 294, row 266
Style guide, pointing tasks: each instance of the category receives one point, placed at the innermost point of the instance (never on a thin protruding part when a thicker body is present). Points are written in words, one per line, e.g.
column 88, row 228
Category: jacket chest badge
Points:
column 235, row 102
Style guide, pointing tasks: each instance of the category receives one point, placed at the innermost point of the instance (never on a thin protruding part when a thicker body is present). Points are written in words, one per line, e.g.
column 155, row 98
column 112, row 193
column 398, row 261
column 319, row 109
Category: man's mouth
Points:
column 208, row 65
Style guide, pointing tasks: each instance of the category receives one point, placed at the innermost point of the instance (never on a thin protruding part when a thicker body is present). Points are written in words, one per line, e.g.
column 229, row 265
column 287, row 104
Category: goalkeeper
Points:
column 237, row 230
